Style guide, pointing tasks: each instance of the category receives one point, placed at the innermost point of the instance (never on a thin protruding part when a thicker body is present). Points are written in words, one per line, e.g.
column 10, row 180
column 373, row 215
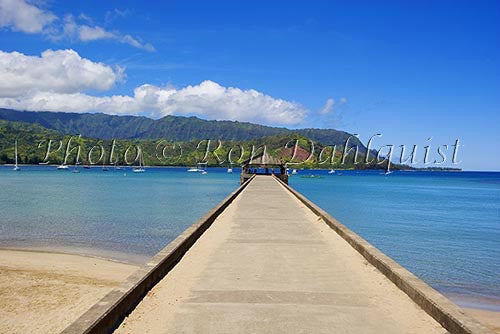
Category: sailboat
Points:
column 332, row 171
column 199, row 168
column 140, row 169
column 294, row 172
column 196, row 169
column 16, row 167
column 202, row 170
column 62, row 166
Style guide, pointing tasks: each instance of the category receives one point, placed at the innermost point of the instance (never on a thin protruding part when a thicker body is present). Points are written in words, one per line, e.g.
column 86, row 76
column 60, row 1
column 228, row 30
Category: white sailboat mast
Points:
column 16, row 153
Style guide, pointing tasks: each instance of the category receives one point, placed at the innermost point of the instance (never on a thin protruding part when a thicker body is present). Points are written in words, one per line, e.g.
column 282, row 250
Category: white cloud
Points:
column 19, row 15
column 57, row 81
column 214, row 101
column 134, row 42
column 328, row 106
column 61, row 71
column 86, row 33
column 208, row 100
column 330, row 103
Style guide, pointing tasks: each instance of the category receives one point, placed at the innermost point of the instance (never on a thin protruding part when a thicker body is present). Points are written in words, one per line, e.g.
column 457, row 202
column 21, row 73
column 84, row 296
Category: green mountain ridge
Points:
column 33, row 140
column 175, row 128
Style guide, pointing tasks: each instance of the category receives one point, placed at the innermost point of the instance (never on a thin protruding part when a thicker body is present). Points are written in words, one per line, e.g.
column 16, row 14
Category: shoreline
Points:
column 484, row 303
column 87, row 252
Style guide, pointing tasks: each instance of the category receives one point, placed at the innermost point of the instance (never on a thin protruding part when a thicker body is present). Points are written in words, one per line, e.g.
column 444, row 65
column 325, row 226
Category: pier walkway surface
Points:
column 268, row 264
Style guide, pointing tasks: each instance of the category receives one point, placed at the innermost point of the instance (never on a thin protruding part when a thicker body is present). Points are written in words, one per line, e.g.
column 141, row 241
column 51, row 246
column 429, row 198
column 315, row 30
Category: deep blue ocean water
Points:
column 442, row 226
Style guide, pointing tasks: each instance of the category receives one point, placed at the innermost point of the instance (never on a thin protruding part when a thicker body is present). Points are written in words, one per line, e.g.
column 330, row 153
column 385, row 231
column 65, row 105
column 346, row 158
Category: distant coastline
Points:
column 98, row 139
column 410, row 169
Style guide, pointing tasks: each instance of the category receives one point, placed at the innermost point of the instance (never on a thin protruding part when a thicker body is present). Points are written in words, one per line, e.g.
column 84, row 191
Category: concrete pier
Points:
column 268, row 264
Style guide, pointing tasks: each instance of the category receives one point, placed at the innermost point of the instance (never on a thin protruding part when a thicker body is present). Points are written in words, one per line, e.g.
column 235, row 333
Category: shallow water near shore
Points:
column 442, row 226
column 109, row 214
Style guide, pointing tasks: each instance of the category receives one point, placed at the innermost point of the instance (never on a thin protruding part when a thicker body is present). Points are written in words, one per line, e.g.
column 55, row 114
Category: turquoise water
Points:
column 105, row 212
column 444, row 227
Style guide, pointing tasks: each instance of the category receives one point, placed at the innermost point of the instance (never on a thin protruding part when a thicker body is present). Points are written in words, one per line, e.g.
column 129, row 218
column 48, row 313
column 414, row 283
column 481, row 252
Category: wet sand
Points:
column 43, row 292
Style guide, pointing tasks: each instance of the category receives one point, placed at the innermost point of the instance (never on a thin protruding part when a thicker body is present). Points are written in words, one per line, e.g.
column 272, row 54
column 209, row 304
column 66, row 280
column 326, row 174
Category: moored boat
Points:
column 16, row 167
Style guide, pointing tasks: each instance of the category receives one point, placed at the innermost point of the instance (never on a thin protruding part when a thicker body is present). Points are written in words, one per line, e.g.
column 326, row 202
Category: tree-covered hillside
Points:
column 176, row 128
column 34, row 140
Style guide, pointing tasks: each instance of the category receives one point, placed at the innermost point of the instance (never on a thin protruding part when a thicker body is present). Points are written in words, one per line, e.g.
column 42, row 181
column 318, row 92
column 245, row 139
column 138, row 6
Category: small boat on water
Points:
column 86, row 166
column 43, row 163
column 202, row 166
column 140, row 168
column 230, row 169
column 294, row 172
column 332, row 171
column 63, row 166
column 16, row 167
column 199, row 168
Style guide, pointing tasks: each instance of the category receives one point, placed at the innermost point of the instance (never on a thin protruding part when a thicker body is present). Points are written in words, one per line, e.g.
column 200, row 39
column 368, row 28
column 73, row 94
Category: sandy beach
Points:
column 43, row 292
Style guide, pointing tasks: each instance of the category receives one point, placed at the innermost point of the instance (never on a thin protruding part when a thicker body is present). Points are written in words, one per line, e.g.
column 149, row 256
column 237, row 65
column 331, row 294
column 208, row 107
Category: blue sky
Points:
column 407, row 70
